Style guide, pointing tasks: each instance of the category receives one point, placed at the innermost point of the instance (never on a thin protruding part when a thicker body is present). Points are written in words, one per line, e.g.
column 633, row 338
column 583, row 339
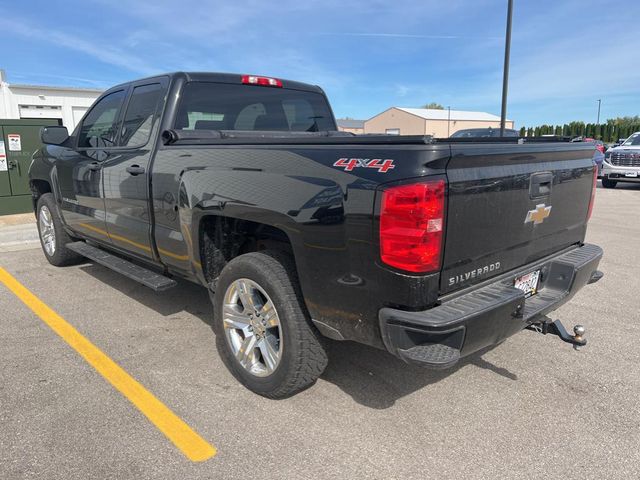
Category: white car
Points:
column 622, row 163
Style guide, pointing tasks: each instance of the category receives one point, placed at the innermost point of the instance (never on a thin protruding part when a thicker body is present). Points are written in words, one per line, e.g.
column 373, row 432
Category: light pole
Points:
column 505, row 76
column 599, row 102
column 448, row 121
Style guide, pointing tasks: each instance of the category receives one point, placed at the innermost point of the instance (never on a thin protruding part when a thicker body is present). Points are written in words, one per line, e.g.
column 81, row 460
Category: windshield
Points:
column 221, row 106
column 633, row 140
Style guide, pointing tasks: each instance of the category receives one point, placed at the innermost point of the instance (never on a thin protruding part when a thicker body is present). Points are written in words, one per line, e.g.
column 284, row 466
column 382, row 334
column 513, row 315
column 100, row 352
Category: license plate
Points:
column 528, row 283
column 630, row 174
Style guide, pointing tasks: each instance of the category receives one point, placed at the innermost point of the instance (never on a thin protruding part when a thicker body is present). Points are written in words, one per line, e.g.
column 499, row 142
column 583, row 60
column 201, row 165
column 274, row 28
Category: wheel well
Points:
column 222, row 239
column 38, row 188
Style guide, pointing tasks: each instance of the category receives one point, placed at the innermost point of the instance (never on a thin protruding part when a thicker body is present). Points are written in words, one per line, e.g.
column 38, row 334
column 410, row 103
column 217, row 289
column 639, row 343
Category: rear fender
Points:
column 309, row 210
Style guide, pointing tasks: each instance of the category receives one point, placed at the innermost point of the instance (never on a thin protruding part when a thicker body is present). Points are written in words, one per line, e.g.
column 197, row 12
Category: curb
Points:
column 18, row 237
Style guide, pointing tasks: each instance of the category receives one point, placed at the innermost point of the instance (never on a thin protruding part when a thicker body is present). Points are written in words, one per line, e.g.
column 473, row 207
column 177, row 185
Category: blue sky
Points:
column 367, row 55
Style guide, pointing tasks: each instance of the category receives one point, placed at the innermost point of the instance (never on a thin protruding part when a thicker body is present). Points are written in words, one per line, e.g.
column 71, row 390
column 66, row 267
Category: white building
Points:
column 67, row 104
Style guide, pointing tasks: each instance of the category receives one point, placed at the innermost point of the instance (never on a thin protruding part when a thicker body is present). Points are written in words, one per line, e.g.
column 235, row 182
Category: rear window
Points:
column 221, row 106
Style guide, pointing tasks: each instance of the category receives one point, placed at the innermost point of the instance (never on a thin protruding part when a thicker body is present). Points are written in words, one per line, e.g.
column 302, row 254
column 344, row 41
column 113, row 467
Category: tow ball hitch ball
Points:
column 578, row 336
column 548, row 326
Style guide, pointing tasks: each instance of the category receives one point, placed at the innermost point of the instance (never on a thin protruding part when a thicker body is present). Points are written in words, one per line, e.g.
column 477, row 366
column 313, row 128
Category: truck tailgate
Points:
column 509, row 205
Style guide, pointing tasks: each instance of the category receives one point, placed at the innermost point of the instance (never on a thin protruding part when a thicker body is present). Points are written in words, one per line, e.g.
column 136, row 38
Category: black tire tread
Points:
column 312, row 358
column 315, row 361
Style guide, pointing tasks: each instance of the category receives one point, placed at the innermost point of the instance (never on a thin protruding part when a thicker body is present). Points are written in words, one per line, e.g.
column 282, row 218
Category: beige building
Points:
column 350, row 125
column 426, row 121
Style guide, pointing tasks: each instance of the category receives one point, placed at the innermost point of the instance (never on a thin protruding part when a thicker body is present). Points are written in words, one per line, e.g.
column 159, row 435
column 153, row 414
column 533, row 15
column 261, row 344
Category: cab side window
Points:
column 99, row 127
column 140, row 115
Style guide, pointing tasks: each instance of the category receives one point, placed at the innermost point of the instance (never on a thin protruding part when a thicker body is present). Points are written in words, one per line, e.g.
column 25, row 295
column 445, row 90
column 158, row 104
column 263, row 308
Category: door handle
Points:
column 95, row 166
column 135, row 170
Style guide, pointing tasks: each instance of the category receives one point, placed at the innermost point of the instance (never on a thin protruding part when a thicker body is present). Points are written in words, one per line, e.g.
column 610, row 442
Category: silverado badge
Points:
column 538, row 214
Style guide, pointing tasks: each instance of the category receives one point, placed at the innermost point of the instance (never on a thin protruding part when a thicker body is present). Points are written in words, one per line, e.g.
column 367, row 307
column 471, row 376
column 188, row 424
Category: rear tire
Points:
column 294, row 357
column 606, row 183
column 53, row 236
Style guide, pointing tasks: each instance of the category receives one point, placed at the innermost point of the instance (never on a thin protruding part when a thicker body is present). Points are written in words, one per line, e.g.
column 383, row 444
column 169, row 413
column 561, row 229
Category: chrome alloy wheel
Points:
column 47, row 231
column 252, row 327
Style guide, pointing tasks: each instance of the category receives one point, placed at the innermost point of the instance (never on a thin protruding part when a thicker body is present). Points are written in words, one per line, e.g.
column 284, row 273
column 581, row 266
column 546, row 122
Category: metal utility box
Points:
column 20, row 138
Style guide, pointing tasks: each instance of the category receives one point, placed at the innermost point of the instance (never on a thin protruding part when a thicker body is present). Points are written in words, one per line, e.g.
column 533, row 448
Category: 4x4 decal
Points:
column 348, row 164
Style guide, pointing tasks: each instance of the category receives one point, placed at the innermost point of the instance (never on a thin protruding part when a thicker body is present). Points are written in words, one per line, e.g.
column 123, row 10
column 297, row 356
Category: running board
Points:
column 146, row 277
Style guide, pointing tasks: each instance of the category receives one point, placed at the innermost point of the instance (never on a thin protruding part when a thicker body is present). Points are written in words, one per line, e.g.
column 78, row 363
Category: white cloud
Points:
column 71, row 79
column 94, row 48
column 402, row 90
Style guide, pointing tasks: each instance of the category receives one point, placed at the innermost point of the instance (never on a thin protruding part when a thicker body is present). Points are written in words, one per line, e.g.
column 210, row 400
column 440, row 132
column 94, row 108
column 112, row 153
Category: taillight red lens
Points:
column 412, row 225
column 262, row 81
column 593, row 191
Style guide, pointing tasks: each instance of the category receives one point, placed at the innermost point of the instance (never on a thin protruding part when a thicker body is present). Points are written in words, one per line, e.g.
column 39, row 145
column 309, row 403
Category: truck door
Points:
column 126, row 171
column 79, row 169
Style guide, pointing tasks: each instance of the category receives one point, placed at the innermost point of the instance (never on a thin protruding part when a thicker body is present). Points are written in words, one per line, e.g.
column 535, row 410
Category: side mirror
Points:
column 54, row 135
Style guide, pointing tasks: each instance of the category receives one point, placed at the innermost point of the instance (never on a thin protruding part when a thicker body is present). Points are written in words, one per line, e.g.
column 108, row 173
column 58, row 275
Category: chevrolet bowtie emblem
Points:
column 538, row 214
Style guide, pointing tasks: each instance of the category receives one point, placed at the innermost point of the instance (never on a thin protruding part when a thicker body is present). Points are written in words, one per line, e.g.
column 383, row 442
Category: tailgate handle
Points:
column 540, row 185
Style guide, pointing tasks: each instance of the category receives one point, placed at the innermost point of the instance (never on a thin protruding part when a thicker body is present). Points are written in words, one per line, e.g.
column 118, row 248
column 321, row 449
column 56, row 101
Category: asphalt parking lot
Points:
column 530, row 408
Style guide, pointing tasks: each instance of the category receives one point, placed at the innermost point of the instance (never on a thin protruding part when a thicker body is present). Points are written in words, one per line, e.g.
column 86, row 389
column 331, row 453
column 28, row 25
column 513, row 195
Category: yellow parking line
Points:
column 188, row 441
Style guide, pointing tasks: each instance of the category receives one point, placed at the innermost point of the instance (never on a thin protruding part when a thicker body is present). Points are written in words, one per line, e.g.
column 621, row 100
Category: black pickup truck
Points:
column 431, row 249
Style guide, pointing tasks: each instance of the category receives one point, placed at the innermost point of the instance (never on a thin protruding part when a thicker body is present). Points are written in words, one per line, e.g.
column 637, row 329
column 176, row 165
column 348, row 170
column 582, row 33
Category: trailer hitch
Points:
column 555, row 327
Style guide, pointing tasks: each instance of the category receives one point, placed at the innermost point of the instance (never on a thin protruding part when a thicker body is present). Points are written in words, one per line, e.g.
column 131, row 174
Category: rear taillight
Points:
column 593, row 191
column 262, row 81
column 412, row 225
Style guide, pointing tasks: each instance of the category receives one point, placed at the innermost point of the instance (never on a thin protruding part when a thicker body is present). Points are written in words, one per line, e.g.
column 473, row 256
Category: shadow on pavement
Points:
column 185, row 297
column 376, row 379
column 372, row 377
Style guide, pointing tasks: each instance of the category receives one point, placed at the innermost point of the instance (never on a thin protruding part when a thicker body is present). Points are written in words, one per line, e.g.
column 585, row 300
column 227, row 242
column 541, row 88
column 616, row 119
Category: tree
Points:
column 598, row 132
column 608, row 132
column 589, row 130
column 433, row 106
column 620, row 121
column 576, row 129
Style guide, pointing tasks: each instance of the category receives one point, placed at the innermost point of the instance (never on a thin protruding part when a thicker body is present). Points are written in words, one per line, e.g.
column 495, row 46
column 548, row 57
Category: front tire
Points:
column 606, row 183
column 53, row 236
column 263, row 331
